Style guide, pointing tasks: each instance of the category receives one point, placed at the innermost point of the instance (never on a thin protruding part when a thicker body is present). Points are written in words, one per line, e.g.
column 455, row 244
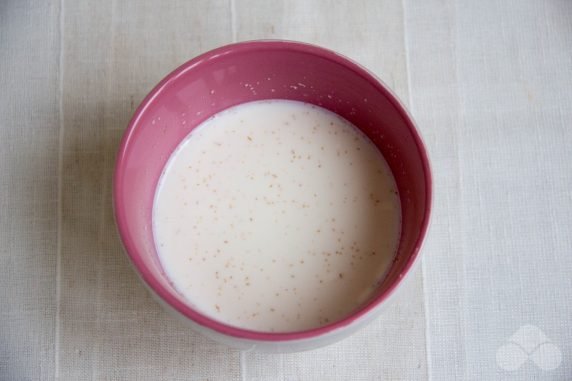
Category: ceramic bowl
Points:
column 252, row 71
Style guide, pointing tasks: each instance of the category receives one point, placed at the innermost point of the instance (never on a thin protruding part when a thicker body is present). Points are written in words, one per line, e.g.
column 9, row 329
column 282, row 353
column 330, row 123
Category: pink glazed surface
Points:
column 251, row 71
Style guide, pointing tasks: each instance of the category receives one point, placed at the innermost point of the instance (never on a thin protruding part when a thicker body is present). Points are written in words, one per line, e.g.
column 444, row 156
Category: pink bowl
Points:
column 251, row 71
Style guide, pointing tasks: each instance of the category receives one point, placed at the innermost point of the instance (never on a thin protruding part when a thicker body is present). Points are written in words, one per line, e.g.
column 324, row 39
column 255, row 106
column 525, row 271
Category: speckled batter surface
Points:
column 276, row 216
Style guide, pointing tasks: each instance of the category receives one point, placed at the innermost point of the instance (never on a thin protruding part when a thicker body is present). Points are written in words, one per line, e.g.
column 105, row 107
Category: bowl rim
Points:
column 203, row 319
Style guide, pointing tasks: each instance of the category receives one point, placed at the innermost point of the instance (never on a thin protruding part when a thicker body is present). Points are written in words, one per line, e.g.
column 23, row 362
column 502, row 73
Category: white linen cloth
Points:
column 490, row 85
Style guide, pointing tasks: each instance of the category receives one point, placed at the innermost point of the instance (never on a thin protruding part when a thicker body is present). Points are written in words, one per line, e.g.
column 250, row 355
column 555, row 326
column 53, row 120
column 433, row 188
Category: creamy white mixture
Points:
column 276, row 216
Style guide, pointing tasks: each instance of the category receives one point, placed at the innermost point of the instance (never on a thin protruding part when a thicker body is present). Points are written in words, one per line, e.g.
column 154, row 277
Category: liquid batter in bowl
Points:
column 276, row 216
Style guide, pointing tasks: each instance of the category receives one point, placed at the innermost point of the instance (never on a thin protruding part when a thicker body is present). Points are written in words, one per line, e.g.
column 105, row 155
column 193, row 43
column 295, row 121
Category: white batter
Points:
column 276, row 216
